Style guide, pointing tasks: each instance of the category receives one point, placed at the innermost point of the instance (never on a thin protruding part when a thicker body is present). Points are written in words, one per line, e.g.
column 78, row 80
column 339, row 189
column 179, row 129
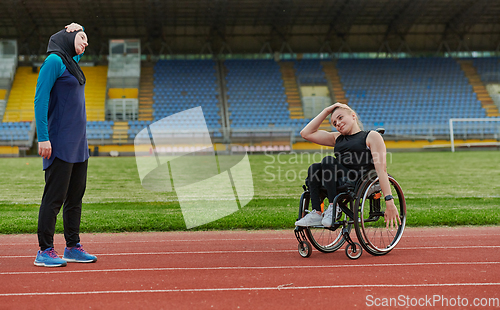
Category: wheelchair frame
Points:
column 356, row 196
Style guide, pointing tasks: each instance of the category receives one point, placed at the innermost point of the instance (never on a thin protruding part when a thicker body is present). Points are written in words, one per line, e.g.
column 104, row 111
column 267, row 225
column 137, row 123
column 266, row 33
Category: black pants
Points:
column 330, row 172
column 64, row 184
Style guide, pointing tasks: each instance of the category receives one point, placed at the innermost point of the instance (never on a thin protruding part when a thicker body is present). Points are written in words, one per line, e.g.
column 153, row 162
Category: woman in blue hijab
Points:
column 61, row 123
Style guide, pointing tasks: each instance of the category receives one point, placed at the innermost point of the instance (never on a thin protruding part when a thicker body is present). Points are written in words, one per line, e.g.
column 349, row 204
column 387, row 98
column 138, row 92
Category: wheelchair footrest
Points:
column 299, row 234
column 347, row 237
column 335, row 226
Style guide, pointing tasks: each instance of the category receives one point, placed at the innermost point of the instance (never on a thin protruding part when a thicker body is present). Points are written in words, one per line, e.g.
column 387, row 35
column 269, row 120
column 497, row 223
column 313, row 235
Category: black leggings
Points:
column 64, row 184
column 328, row 173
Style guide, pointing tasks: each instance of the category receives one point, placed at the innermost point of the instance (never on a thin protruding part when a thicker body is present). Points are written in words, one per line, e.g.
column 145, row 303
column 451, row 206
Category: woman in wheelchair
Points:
column 357, row 153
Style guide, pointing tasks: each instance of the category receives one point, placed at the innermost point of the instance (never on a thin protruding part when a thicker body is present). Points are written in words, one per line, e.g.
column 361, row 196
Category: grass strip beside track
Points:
column 441, row 188
column 258, row 214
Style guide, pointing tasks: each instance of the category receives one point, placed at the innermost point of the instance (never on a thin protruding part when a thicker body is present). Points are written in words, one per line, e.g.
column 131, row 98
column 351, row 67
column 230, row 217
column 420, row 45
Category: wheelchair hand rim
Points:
column 369, row 246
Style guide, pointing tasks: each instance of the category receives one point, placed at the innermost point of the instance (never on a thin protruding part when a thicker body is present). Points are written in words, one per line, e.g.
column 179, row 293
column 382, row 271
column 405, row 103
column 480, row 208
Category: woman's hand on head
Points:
column 45, row 149
column 334, row 106
column 73, row 27
column 391, row 215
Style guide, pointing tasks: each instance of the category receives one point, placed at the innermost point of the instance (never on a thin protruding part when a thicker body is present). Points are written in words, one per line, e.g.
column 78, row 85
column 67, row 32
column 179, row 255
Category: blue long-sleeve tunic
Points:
column 60, row 112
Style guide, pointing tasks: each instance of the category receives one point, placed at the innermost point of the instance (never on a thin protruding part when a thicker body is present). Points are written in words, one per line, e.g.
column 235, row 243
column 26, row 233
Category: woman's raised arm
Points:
column 312, row 133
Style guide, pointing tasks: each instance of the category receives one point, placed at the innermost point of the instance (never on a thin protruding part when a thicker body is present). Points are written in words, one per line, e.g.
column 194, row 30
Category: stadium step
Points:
column 19, row 106
column 95, row 92
column 146, row 94
column 291, row 90
column 333, row 77
column 120, row 132
column 479, row 88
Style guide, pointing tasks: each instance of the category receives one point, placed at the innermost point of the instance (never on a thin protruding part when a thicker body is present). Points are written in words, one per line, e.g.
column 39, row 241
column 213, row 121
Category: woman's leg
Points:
column 333, row 171
column 57, row 178
column 314, row 177
column 314, row 217
column 72, row 210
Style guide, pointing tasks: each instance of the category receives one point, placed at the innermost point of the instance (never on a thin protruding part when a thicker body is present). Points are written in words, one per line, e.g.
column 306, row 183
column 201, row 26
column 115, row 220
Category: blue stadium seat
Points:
column 15, row 131
column 256, row 95
column 405, row 91
column 184, row 84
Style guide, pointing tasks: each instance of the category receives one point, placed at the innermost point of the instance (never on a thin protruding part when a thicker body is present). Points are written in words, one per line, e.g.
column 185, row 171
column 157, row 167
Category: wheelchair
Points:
column 363, row 207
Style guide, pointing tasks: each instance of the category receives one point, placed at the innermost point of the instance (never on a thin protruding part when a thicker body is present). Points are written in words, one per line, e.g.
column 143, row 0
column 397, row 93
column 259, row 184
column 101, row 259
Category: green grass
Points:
column 442, row 188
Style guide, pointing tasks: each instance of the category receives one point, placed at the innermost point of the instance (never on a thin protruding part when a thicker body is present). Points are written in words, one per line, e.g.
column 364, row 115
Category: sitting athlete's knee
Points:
column 315, row 167
column 314, row 172
column 328, row 161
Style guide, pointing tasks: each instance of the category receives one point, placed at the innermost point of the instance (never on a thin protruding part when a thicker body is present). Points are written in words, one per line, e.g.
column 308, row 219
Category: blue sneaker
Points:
column 77, row 254
column 49, row 258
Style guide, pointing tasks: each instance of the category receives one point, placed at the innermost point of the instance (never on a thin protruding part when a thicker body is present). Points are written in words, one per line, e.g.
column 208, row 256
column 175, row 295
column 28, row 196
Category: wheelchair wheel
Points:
column 305, row 249
column 353, row 251
column 323, row 239
column 370, row 226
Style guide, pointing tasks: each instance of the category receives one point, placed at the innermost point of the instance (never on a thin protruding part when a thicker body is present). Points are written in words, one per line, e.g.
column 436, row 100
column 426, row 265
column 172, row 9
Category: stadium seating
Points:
column 488, row 69
column 256, row 96
column 95, row 92
column 181, row 85
column 20, row 112
column 20, row 131
column 387, row 92
column 310, row 71
column 136, row 126
column 20, row 104
column 406, row 96
column 99, row 130
column 15, row 131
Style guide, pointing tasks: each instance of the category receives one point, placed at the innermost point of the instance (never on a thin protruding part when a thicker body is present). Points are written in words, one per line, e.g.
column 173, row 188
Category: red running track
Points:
column 429, row 269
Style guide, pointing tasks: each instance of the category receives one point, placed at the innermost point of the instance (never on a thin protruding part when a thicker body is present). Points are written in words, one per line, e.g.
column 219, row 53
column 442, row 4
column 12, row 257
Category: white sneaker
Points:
column 327, row 216
column 313, row 218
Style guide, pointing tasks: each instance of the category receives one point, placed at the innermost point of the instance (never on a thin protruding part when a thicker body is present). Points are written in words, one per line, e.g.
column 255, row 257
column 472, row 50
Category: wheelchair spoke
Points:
column 326, row 239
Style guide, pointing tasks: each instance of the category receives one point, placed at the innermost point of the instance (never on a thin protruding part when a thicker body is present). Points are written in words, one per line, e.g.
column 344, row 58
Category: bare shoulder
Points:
column 335, row 135
column 332, row 138
column 322, row 137
column 374, row 139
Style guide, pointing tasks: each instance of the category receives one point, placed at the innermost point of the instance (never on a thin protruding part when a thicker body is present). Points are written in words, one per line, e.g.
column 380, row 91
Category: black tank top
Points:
column 351, row 151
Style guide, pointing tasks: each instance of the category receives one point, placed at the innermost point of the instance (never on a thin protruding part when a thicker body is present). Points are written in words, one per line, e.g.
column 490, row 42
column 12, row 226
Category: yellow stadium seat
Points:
column 22, row 94
column 20, row 106
column 95, row 92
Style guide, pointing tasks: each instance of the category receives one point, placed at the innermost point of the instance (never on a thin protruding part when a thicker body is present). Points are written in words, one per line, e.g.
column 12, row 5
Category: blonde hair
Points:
column 348, row 108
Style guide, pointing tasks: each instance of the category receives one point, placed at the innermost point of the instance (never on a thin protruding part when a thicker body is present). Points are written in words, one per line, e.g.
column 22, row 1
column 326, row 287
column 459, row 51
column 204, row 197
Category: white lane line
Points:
column 245, row 268
column 272, row 288
column 160, row 241
column 230, row 239
column 168, row 253
column 445, row 247
column 225, row 252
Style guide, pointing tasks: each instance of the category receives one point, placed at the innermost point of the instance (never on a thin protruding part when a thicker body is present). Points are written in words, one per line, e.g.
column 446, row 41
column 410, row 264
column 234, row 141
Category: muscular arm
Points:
column 312, row 133
column 377, row 146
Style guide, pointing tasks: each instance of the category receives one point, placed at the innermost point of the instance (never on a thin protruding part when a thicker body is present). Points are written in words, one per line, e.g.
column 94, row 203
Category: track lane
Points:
column 239, row 269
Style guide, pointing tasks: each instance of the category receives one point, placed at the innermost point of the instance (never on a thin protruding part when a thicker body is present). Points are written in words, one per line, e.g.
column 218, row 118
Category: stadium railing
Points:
column 487, row 129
